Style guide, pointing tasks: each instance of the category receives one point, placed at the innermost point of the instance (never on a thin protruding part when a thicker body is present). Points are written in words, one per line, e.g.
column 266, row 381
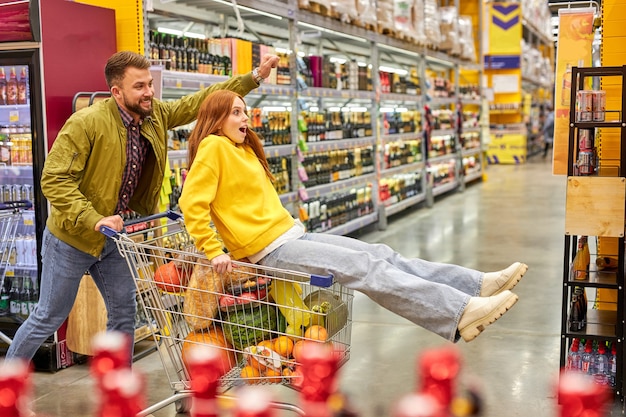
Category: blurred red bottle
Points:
column 15, row 386
column 205, row 367
column 579, row 396
column 110, row 352
column 319, row 365
column 121, row 394
column 254, row 401
column 439, row 370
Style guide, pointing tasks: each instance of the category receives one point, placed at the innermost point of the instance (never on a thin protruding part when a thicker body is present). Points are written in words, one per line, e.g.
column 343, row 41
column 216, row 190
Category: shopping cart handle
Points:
column 323, row 281
column 110, row 232
column 14, row 205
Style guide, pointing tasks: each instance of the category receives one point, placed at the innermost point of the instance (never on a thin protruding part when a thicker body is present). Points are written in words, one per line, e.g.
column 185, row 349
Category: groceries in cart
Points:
column 258, row 318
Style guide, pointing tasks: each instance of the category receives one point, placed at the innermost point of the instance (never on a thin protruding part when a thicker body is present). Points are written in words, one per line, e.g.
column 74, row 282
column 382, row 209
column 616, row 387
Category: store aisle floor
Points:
column 517, row 214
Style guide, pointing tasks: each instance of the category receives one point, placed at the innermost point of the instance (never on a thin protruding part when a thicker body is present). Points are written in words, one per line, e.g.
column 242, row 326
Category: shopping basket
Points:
column 10, row 219
column 256, row 316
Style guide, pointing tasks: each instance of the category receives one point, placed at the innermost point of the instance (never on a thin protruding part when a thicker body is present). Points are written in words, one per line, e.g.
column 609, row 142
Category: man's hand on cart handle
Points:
column 221, row 264
column 114, row 222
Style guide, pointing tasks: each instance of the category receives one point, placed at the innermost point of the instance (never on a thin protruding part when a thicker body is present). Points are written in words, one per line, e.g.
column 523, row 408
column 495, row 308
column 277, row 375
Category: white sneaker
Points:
column 496, row 282
column 480, row 312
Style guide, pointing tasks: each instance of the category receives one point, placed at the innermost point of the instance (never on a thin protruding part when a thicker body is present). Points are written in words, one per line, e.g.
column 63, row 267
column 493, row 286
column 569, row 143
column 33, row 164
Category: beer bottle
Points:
column 21, row 87
column 3, row 87
column 25, row 296
column 12, row 87
column 14, row 297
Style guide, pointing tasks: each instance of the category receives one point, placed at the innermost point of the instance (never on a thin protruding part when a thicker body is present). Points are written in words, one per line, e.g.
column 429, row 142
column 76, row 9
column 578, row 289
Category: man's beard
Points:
column 136, row 108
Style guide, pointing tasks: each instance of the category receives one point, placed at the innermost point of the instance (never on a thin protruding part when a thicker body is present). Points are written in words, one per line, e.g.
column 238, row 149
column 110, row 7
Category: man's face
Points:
column 136, row 92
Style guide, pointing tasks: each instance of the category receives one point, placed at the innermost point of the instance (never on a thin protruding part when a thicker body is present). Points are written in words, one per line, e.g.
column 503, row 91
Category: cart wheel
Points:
column 183, row 405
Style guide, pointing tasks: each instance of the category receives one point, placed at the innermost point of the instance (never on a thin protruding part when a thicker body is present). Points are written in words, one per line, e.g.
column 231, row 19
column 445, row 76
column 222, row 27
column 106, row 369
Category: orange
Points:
column 251, row 374
column 297, row 349
column 283, row 345
column 266, row 343
column 316, row 332
column 273, row 375
column 214, row 337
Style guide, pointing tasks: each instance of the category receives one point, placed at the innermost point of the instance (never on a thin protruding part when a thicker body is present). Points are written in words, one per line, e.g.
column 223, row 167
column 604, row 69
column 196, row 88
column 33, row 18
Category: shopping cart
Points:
column 253, row 315
column 10, row 219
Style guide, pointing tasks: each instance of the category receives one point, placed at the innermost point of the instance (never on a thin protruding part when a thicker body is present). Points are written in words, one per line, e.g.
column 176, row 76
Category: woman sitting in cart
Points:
column 230, row 184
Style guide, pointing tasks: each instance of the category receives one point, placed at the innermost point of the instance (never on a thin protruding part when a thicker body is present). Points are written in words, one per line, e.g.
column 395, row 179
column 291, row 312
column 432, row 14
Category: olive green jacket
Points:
column 83, row 171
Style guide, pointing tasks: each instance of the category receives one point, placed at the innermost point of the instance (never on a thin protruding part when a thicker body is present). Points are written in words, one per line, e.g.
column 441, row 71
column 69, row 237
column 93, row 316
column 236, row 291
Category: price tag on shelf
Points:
column 201, row 85
column 179, row 83
column 14, row 116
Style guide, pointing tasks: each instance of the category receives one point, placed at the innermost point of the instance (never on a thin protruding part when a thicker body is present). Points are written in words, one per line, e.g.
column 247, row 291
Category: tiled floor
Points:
column 516, row 214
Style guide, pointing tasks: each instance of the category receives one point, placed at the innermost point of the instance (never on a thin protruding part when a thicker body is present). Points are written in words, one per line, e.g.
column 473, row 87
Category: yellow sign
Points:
column 574, row 49
column 507, row 148
column 505, row 29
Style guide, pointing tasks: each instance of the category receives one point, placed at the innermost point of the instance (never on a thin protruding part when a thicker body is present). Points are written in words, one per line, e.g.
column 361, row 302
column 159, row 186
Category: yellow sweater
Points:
column 227, row 184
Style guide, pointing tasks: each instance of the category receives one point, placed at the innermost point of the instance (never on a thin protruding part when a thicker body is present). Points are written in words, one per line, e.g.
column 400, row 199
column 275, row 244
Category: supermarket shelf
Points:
column 353, row 225
column 333, row 93
column 442, row 158
column 290, row 197
column 442, row 132
column 415, row 166
column 329, row 145
column 444, row 188
column 412, row 98
column 597, row 279
column 404, row 204
column 16, row 171
column 472, row 176
column 600, row 324
column 473, row 129
column 402, row 137
column 442, row 101
column 280, row 150
column 471, row 152
column 320, row 190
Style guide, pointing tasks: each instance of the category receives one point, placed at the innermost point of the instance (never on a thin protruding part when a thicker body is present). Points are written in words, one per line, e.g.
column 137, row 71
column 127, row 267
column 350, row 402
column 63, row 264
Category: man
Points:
column 547, row 131
column 107, row 158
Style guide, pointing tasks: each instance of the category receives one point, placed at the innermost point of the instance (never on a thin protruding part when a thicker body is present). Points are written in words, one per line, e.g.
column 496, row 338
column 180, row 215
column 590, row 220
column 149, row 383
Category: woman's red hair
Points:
column 212, row 114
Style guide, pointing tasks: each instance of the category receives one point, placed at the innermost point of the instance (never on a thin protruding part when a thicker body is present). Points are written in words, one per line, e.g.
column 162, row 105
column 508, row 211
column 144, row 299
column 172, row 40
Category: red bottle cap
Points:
column 254, row 401
column 418, row 405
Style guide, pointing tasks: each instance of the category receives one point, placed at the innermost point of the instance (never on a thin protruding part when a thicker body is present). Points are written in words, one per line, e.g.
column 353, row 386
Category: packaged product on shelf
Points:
column 384, row 14
column 432, row 28
column 466, row 39
column 366, row 14
column 343, row 10
column 449, row 30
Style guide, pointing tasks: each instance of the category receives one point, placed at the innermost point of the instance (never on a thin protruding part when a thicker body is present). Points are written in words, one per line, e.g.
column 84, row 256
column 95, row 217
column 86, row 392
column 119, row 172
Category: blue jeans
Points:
column 63, row 267
column 431, row 295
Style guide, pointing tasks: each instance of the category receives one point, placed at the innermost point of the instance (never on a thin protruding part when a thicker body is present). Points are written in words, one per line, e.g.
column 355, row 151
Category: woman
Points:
column 229, row 183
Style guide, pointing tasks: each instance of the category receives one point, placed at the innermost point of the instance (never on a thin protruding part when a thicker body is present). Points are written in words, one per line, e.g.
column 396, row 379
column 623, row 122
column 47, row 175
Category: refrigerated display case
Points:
column 22, row 152
column 44, row 63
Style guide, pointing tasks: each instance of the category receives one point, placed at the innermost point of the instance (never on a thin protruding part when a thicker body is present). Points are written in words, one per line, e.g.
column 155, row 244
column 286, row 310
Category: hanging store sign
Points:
column 505, row 29
column 573, row 49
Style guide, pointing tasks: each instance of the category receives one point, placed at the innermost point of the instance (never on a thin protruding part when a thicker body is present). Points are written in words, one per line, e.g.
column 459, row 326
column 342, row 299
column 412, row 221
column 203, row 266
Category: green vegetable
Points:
column 247, row 327
column 327, row 310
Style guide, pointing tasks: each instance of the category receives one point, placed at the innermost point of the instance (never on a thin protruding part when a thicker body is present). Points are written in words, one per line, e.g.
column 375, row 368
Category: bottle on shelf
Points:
column 578, row 309
column 601, row 365
column 26, row 295
column 5, row 296
column 582, row 259
column 12, row 87
column 3, row 87
column 612, row 365
column 574, row 357
column 14, row 297
column 22, row 96
column 587, row 358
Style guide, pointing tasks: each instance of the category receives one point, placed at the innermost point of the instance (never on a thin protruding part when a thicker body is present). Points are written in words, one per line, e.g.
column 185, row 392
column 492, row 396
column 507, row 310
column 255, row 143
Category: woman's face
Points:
column 236, row 125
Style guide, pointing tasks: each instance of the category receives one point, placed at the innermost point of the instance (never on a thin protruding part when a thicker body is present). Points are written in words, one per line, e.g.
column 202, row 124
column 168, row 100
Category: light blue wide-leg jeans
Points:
column 431, row 295
column 63, row 267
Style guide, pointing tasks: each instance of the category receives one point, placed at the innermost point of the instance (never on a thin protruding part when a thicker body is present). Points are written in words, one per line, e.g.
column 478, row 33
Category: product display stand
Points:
column 595, row 209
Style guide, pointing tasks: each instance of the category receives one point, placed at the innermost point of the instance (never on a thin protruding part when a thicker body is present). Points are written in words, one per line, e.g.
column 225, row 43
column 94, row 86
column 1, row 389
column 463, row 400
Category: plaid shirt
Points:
column 136, row 150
